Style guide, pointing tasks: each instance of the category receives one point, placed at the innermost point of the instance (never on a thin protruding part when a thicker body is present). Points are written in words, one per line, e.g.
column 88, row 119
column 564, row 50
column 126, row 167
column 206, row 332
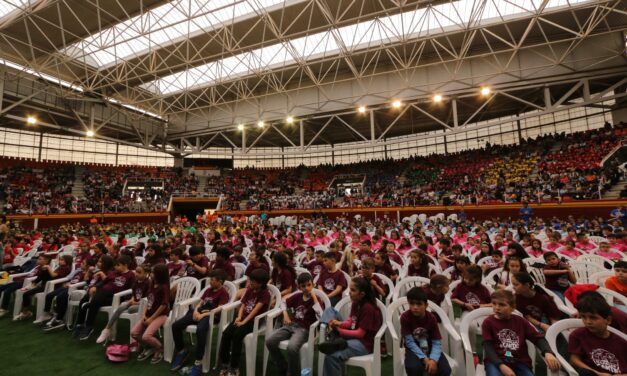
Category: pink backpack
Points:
column 118, row 353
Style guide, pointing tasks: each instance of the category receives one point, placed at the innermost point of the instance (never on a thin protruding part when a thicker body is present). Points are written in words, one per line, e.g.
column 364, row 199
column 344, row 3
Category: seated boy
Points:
column 300, row 311
column 211, row 300
column 618, row 282
column 367, row 271
column 331, row 280
column 593, row 349
column 421, row 335
column 470, row 294
column 437, row 288
column 504, row 340
column 558, row 274
column 255, row 301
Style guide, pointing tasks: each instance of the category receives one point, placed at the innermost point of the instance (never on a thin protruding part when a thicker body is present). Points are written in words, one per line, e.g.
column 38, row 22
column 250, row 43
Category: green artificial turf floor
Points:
column 25, row 350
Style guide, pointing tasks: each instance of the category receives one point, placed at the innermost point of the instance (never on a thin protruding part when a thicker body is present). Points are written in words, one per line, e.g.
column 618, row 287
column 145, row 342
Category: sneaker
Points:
column 54, row 324
column 232, row 372
column 44, row 318
column 179, row 360
column 23, row 316
column 86, row 333
column 77, row 330
column 3, row 312
column 104, row 335
column 196, row 370
column 224, row 371
column 157, row 357
column 145, row 354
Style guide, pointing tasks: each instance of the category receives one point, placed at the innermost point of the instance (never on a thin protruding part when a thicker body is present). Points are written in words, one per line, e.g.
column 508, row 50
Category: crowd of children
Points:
column 483, row 264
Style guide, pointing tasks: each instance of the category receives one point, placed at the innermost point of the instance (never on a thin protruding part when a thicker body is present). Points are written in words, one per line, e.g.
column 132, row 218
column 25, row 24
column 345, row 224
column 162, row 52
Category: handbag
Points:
column 117, row 353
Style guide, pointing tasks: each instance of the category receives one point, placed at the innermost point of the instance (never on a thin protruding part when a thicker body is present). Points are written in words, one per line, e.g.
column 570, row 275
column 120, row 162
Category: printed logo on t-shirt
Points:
column 509, row 339
column 419, row 333
column 472, row 298
column 317, row 269
column 250, row 304
column 329, row 284
column 353, row 322
column 119, row 281
column 606, row 360
column 299, row 314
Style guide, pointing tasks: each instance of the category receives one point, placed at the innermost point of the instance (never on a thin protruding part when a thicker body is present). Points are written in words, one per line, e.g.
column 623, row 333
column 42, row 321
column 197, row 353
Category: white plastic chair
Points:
column 478, row 315
column 597, row 239
column 595, row 259
column 18, row 294
column 390, row 285
column 371, row 363
column 493, row 277
column 584, row 270
column 612, row 296
column 181, row 309
column 186, row 288
column 115, row 304
column 565, row 327
column 40, row 298
column 259, row 327
column 307, row 350
column 565, row 308
column 453, row 351
column 599, row 278
column 405, row 284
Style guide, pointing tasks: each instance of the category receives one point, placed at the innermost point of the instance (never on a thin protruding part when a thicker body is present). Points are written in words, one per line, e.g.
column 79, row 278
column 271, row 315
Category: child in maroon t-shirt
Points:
column 367, row 271
column 356, row 333
column 255, row 301
column 300, row 311
column 421, row 335
column 331, row 280
column 437, row 288
column 471, row 294
column 283, row 275
column 210, row 302
column 535, row 305
column 558, row 274
column 594, row 350
column 156, row 314
column 504, row 340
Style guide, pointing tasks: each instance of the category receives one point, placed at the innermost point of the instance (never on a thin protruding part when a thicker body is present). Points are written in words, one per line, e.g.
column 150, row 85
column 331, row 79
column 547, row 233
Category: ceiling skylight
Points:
column 9, row 7
column 176, row 20
column 455, row 15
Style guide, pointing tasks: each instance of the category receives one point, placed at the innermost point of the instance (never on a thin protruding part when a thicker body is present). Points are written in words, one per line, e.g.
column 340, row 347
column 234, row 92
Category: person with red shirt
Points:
column 197, row 263
column 558, row 274
column 283, row 275
column 316, row 265
column 618, row 282
column 255, row 301
column 367, row 272
column 437, row 288
column 175, row 265
column 300, row 311
column 154, row 317
column 331, row 281
column 594, row 350
column 421, row 335
column 140, row 288
column 223, row 263
column 535, row 305
column 505, row 338
column 355, row 335
column 471, row 294
column 115, row 281
column 211, row 301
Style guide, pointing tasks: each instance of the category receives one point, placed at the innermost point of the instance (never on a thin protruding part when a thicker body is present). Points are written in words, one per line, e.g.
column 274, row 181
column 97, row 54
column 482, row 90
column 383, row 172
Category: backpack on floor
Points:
column 118, row 353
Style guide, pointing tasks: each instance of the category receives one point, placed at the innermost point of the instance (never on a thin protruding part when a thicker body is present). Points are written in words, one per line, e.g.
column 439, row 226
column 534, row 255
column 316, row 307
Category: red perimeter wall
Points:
column 589, row 209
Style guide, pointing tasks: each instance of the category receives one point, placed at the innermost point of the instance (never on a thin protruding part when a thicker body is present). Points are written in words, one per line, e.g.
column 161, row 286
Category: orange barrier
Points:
column 595, row 208
column 44, row 221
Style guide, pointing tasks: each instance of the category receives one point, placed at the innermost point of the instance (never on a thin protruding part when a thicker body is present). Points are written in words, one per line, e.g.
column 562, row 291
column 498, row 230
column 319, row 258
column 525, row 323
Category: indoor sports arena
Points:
column 313, row 187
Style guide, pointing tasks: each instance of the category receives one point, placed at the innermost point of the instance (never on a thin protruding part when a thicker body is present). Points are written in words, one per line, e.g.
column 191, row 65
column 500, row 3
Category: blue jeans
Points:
column 519, row 369
column 415, row 366
column 333, row 363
